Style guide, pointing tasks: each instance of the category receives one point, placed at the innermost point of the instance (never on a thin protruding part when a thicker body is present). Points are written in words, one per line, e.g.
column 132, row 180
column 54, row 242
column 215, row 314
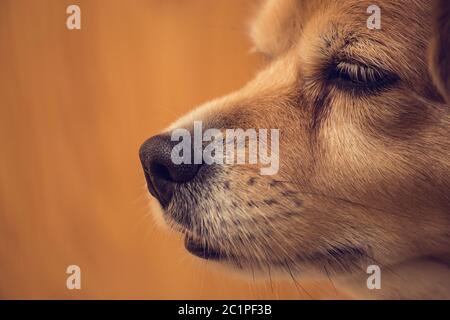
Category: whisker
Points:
column 270, row 277
column 297, row 285
column 329, row 278
column 253, row 273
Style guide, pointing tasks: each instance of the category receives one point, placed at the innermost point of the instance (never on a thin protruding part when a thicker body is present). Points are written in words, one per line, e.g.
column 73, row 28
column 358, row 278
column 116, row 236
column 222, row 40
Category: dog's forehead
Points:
column 279, row 24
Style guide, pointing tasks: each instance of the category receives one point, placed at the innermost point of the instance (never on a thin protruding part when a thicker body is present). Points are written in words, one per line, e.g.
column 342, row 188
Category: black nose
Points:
column 160, row 172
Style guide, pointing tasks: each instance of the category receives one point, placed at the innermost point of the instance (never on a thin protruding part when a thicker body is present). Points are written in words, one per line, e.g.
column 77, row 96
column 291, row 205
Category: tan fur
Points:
column 364, row 178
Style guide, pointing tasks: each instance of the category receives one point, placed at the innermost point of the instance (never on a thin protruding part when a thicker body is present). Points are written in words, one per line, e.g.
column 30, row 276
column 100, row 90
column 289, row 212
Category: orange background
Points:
column 74, row 108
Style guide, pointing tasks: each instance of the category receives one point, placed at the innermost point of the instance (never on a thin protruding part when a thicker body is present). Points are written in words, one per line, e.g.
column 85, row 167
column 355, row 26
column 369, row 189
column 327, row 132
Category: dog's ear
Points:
column 439, row 59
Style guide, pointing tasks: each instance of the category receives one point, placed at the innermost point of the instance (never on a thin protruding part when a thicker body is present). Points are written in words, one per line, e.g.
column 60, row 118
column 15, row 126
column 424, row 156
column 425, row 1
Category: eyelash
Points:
column 360, row 78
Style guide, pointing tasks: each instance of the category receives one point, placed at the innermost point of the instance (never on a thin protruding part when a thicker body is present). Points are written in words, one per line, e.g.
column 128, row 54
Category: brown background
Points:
column 74, row 108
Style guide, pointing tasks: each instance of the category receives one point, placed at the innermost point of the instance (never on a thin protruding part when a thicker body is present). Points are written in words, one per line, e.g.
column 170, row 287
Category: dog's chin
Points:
column 195, row 247
column 336, row 259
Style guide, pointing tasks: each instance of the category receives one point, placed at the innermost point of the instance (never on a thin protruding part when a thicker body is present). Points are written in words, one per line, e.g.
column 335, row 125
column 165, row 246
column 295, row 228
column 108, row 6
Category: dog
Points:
column 364, row 151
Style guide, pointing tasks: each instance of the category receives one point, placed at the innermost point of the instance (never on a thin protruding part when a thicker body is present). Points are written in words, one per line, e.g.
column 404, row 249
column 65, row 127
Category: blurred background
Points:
column 75, row 105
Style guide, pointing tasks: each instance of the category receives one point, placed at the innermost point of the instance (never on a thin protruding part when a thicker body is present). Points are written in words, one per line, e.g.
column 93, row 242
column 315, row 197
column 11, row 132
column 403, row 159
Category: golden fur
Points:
column 364, row 174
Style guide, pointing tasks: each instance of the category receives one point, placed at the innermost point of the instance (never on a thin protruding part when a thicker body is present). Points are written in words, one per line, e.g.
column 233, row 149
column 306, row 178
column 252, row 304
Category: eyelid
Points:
column 351, row 74
column 361, row 73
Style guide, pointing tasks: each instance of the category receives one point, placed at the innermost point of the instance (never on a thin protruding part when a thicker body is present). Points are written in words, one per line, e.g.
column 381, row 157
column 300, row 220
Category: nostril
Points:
column 175, row 173
column 160, row 171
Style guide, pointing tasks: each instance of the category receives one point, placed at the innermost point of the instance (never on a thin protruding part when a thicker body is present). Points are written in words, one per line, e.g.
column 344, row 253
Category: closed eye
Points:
column 360, row 78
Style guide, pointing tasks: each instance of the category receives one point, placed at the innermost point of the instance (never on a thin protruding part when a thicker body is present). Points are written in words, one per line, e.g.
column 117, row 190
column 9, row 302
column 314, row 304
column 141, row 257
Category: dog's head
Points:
column 363, row 119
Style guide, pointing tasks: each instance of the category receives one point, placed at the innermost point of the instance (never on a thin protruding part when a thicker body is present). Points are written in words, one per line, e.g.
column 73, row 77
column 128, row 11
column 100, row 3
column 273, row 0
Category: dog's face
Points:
column 364, row 150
